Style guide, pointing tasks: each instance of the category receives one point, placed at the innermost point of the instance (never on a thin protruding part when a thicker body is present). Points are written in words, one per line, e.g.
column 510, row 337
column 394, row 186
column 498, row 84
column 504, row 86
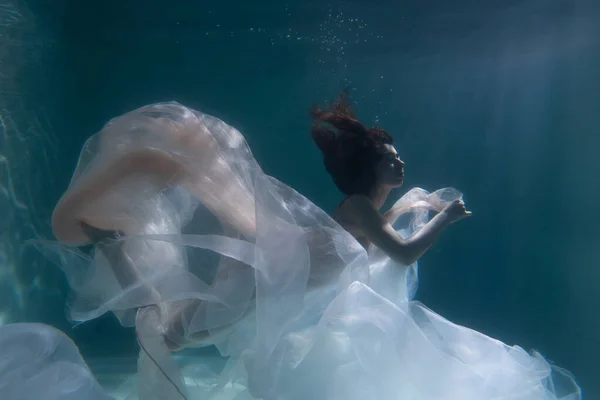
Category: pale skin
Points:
column 360, row 215
column 88, row 212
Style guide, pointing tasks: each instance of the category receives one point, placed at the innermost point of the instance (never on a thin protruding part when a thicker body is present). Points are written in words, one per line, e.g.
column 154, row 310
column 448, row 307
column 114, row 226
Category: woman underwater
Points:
column 196, row 246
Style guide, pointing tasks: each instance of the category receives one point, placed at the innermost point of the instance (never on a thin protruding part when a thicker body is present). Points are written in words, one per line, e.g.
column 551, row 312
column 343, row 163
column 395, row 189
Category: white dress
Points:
column 298, row 308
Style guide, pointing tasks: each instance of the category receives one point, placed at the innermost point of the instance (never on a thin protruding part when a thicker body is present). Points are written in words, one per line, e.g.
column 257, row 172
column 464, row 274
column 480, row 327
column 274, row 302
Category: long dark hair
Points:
column 350, row 150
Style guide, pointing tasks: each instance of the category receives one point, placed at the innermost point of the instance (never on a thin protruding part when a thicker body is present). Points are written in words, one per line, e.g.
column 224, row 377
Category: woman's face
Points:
column 390, row 170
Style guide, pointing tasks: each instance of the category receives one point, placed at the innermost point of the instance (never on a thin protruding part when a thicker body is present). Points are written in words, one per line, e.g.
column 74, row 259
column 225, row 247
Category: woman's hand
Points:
column 456, row 211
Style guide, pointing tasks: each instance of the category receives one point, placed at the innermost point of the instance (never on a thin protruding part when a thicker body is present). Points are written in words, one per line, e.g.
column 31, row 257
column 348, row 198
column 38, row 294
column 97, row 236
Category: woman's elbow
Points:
column 403, row 255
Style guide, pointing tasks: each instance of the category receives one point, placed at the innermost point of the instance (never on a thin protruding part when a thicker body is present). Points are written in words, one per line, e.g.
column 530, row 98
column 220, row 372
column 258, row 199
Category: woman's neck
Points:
column 379, row 195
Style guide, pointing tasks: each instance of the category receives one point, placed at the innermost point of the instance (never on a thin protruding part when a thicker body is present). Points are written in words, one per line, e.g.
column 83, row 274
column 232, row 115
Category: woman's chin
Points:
column 396, row 184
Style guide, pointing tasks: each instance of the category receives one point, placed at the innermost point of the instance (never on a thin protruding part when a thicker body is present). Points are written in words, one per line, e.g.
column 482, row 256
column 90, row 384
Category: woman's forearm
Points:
column 416, row 245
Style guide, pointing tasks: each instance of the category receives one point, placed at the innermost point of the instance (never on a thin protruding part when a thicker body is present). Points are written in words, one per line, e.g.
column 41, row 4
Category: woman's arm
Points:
column 405, row 251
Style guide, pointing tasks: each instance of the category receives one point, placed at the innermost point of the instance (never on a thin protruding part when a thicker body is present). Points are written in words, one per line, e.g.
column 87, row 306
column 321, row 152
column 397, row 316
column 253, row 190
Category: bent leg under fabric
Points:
column 172, row 323
column 108, row 243
column 155, row 360
column 179, row 327
column 159, row 375
column 71, row 209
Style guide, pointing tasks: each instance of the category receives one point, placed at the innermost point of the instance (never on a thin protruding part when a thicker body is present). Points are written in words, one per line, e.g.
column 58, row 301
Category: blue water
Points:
column 496, row 98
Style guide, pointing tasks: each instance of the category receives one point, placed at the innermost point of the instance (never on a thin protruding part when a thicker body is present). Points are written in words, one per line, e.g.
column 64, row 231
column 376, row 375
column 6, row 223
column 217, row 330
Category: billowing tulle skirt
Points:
column 211, row 251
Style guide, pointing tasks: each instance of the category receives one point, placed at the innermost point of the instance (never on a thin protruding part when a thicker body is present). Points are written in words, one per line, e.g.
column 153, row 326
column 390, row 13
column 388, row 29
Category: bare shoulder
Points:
column 360, row 209
column 347, row 208
column 372, row 226
column 359, row 203
column 347, row 216
column 358, row 200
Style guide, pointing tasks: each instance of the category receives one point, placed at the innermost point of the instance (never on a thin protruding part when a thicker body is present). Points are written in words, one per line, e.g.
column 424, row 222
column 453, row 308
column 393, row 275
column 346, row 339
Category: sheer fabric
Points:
column 40, row 362
column 215, row 252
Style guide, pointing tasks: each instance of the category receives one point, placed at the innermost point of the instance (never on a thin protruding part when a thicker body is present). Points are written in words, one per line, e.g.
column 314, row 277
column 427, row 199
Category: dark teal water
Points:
column 498, row 99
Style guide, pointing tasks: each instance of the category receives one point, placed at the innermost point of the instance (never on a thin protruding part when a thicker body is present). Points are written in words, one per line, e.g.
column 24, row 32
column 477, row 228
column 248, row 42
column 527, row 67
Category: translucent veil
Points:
column 212, row 251
column 225, row 253
column 40, row 362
